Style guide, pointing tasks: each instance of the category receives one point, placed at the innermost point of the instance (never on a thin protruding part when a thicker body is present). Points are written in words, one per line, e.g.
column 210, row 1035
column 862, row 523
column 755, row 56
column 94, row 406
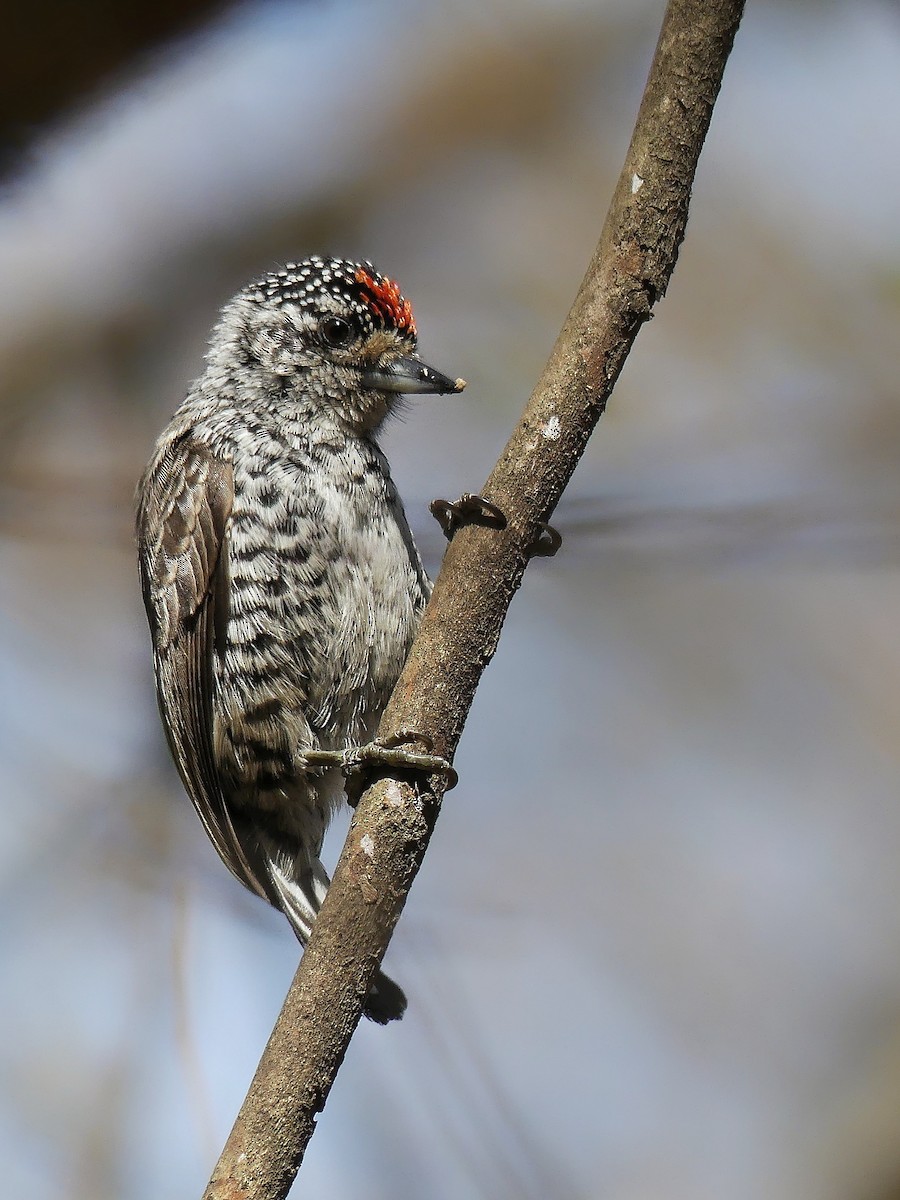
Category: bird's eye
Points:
column 336, row 332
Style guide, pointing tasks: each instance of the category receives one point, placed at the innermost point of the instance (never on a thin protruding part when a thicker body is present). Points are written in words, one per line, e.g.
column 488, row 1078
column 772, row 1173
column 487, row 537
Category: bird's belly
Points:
column 318, row 631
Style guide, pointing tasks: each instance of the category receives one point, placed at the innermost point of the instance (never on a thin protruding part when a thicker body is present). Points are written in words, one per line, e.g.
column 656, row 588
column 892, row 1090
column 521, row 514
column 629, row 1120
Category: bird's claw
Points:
column 547, row 542
column 469, row 509
column 389, row 753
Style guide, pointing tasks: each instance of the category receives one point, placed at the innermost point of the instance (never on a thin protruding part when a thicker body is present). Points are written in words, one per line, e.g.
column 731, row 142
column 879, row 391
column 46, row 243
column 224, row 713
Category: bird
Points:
column 282, row 584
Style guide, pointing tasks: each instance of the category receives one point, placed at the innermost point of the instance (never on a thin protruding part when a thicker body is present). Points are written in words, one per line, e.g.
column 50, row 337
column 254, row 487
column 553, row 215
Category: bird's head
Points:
column 332, row 333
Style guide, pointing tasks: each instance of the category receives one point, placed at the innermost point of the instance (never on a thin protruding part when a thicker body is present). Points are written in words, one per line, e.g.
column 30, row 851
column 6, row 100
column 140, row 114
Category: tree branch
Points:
column 482, row 569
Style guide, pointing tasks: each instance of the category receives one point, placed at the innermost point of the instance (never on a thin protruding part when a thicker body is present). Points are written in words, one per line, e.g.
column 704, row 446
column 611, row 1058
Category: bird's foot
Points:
column 355, row 762
column 467, row 510
column 475, row 510
column 547, row 542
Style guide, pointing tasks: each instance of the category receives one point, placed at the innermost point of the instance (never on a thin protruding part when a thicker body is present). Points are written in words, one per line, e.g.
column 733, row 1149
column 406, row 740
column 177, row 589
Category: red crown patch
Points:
column 383, row 297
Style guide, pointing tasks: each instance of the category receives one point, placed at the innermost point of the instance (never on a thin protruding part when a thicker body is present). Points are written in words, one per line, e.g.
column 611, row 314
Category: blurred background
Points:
column 654, row 951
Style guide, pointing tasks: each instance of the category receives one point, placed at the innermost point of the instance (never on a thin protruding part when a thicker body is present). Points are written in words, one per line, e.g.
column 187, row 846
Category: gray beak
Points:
column 409, row 374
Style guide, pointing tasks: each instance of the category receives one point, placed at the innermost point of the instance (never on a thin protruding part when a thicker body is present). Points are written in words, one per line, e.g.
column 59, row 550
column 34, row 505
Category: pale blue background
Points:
column 654, row 951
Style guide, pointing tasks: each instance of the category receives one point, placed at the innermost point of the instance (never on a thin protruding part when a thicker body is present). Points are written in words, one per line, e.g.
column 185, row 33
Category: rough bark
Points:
column 482, row 569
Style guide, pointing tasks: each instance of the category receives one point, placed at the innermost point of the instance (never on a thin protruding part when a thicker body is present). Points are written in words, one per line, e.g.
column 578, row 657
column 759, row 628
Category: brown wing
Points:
column 184, row 501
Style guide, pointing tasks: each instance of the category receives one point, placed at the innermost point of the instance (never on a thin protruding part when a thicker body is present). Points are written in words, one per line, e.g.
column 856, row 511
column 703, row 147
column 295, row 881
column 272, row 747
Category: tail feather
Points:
column 300, row 900
column 386, row 1000
column 299, row 895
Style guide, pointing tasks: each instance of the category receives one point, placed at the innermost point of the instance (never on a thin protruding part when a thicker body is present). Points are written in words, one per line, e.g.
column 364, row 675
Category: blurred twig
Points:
column 628, row 273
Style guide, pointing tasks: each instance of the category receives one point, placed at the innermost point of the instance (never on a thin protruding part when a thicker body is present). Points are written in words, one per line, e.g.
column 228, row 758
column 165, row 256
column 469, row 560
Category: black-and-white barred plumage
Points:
column 281, row 581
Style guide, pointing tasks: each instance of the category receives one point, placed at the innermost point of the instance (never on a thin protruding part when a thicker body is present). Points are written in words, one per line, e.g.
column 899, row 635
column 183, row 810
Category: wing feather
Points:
column 184, row 502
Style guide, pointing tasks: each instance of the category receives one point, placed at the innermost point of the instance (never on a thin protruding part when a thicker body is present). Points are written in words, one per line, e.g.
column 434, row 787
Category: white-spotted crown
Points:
column 372, row 299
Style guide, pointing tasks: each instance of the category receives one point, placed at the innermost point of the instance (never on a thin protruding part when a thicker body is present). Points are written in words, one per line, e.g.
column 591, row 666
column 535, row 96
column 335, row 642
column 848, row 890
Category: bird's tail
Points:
column 300, row 896
column 386, row 1000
